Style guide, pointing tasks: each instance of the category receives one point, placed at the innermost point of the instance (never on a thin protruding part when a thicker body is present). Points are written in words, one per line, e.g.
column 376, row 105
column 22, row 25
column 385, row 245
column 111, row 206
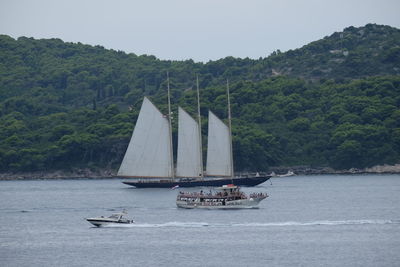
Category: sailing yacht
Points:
column 148, row 160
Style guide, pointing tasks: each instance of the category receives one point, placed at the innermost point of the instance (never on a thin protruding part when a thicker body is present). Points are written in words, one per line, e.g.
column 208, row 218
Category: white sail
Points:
column 219, row 148
column 189, row 161
column 149, row 151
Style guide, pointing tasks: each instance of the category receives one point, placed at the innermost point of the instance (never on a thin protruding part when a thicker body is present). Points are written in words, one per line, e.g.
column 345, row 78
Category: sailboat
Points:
column 148, row 160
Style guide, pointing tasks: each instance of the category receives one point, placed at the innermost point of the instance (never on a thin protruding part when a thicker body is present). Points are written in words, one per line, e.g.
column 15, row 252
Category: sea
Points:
column 321, row 220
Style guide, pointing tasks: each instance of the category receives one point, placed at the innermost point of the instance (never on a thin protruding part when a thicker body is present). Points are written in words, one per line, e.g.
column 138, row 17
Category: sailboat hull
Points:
column 240, row 181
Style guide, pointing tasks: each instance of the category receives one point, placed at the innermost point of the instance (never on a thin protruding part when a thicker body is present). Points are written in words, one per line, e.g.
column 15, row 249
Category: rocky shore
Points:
column 59, row 174
column 107, row 173
column 306, row 170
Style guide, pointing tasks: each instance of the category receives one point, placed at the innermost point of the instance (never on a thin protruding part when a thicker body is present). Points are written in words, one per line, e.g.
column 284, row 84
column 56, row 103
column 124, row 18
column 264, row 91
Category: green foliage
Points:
column 333, row 102
column 254, row 149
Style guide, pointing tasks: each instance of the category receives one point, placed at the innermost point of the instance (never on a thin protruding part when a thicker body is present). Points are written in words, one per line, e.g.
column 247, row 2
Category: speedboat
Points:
column 116, row 218
column 289, row 173
column 227, row 197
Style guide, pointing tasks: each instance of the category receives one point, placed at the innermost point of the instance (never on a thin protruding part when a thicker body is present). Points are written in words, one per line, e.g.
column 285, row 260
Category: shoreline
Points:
column 111, row 174
column 59, row 175
column 306, row 170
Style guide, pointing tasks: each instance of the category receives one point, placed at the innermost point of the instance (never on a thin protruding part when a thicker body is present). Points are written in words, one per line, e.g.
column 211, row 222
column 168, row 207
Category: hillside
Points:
column 334, row 102
column 354, row 53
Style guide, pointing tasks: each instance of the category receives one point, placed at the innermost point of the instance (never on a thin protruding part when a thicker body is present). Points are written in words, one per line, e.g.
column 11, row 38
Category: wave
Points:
column 269, row 224
column 314, row 223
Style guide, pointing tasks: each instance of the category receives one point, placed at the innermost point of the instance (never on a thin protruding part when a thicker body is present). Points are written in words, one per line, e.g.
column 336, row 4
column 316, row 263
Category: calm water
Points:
column 306, row 221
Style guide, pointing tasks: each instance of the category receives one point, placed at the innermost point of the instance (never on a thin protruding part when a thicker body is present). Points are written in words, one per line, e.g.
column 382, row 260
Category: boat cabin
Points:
column 229, row 188
column 225, row 192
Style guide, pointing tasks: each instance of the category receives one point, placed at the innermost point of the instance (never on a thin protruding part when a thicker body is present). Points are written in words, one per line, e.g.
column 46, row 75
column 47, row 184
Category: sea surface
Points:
column 324, row 220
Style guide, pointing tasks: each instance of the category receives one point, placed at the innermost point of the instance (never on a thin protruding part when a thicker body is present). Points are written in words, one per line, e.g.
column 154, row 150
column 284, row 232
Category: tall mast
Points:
column 170, row 129
column 199, row 119
column 230, row 126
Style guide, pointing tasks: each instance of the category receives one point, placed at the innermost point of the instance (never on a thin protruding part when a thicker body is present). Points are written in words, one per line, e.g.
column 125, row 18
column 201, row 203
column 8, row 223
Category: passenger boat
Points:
column 116, row 218
column 226, row 197
column 149, row 160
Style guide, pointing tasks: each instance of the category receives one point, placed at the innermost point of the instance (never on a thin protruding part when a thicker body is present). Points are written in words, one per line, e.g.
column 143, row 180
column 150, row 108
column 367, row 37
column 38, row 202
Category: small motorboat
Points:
column 288, row 174
column 227, row 197
column 116, row 218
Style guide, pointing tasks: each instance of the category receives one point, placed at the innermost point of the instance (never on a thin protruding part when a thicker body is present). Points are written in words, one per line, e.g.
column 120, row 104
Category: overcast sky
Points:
column 201, row 30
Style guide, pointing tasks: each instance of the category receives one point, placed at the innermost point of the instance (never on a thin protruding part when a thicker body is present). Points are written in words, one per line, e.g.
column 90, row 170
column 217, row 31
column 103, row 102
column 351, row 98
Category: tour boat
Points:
column 226, row 197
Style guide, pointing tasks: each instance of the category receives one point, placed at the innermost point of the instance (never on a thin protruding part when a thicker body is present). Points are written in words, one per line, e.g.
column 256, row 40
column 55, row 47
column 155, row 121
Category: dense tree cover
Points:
column 65, row 105
column 353, row 53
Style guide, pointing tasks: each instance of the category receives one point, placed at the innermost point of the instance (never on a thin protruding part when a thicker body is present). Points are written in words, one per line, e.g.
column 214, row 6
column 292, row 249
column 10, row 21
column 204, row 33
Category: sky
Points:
column 201, row 30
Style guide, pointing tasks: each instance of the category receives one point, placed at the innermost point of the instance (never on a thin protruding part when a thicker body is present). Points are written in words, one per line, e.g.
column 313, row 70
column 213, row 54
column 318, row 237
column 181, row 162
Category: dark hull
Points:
column 240, row 181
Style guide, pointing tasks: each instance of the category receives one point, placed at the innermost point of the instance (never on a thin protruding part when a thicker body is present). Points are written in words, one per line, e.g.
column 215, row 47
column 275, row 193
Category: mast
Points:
column 170, row 129
column 230, row 126
column 199, row 120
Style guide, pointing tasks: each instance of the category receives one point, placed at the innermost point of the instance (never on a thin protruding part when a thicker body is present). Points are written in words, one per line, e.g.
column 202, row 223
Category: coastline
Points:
column 107, row 173
column 307, row 170
column 60, row 174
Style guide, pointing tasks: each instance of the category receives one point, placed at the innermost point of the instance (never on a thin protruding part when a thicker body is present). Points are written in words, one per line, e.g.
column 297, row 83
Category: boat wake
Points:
column 269, row 224
column 316, row 223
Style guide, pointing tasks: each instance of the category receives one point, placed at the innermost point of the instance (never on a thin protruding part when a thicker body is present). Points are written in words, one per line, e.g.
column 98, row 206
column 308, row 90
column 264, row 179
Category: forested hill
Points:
column 334, row 102
column 354, row 53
